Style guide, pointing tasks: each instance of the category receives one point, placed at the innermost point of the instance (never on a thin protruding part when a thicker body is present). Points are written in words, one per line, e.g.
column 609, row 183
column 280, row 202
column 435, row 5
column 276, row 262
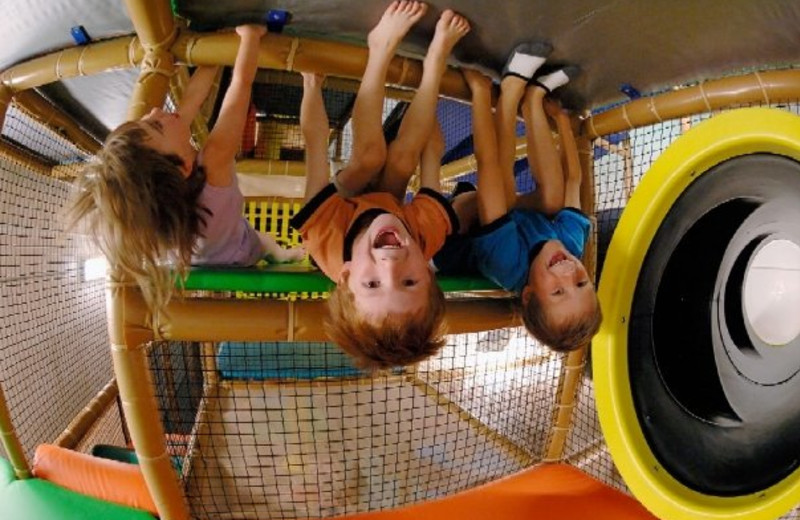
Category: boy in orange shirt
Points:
column 387, row 309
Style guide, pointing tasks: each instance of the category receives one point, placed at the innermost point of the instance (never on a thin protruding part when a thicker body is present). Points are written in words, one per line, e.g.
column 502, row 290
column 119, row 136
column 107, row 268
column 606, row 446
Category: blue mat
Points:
column 283, row 360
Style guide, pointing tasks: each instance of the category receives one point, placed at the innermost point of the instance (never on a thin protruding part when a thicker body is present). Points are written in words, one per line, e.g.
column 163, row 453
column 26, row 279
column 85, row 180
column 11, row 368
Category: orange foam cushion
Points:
column 548, row 492
column 108, row 480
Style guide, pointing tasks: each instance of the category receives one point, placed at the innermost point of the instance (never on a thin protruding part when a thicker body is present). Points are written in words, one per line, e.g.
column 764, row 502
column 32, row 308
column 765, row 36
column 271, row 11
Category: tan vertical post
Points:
column 572, row 369
column 5, row 101
column 126, row 316
column 156, row 29
column 11, row 443
column 208, row 351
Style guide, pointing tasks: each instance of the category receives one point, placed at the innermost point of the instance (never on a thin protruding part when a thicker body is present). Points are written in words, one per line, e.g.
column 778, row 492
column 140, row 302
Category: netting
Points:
column 293, row 430
column 53, row 336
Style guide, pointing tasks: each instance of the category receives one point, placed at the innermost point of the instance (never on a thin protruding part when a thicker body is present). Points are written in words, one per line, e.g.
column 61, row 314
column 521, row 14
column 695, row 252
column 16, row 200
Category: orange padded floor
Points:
column 547, row 492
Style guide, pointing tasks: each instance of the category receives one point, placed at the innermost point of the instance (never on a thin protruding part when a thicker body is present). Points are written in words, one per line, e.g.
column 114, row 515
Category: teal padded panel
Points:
column 283, row 360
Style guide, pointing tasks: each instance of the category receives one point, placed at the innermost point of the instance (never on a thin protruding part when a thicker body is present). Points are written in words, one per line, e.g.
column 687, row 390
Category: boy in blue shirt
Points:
column 531, row 243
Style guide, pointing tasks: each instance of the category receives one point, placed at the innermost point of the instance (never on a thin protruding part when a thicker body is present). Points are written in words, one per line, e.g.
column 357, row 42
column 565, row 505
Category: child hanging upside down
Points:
column 387, row 309
column 531, row 243
column 151, row 201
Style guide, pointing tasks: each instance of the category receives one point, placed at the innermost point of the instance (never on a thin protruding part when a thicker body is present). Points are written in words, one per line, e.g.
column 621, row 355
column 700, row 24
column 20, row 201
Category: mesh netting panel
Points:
column 38, row 147
column 273, row 128
column 53, row 338
column 618, row 173
column 585, row 447
column 294, row 430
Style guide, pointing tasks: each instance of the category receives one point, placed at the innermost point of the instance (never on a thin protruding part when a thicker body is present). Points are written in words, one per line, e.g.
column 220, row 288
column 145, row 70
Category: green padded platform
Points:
column 35, row 499
column 297, row 278
column 6, row 473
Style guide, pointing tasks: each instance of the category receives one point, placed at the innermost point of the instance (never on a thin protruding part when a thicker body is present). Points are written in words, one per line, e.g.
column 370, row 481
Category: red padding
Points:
column 549, row 492
column 108, row 480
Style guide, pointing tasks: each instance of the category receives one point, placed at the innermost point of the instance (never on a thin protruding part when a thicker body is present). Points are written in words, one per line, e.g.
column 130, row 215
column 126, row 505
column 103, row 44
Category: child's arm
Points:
column 223, row 142
column 315, row 128
column 572, row 181
column 492, row 202
column 196, row 92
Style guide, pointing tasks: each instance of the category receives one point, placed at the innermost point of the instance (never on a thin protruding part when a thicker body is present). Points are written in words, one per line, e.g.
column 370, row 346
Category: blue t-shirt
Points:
column 501, row 251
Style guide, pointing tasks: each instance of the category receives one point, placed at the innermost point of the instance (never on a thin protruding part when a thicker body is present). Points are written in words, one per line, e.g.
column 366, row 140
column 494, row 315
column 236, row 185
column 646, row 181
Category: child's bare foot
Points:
column 477, row 81
column 281, row 255
column 450, row 28
column 275, row 253
column 398, row 18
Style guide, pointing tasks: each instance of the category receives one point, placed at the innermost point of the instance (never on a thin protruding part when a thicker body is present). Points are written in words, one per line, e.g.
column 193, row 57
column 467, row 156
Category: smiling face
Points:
column 170, row 135
column 560, row 283
column 388, row 273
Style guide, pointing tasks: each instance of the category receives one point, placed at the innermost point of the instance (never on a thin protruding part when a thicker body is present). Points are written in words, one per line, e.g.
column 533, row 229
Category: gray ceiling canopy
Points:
column 650, row 45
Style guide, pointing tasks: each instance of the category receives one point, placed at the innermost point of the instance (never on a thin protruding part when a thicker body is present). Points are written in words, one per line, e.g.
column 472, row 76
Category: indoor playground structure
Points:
column 231, row 403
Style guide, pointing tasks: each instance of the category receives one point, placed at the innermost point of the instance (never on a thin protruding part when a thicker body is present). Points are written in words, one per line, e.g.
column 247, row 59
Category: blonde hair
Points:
column 396, row 340
column 140, row 211
column 568, row 335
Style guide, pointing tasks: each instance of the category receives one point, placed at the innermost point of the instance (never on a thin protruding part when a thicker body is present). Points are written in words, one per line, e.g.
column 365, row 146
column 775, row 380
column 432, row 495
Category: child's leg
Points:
column 417, row 125
column 543, row 158
column 512, row 89
column 523, row 63
column 315, row 128
column 572, row 165
column 273, row 251
column 491, row 199
column 369, row 147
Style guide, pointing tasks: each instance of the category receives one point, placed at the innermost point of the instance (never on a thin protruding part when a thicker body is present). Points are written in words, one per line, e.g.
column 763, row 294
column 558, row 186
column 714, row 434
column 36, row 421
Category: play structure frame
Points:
column 158, row 46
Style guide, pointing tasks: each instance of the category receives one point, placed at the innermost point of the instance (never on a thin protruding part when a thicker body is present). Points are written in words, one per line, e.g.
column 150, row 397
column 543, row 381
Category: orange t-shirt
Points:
column 325, row 220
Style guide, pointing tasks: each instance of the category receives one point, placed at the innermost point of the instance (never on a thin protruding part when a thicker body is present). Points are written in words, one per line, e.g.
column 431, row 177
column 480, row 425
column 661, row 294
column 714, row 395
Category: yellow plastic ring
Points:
column 731, row 134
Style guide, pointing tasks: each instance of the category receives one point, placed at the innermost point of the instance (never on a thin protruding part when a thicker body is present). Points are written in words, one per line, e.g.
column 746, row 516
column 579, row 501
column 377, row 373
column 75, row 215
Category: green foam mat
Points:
column 297, row 278
column 35, row 499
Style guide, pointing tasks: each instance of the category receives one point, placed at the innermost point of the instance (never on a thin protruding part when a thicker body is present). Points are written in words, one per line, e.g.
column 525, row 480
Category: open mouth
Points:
column 387, row 239
column 556, row 259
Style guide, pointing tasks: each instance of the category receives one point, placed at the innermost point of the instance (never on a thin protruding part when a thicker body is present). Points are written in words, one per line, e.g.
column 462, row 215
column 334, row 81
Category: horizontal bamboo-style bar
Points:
column 278, row 51
column 469, row 164
column 86, row 60
column 74, row 433
column 350, row 85
column 764, row 87
column 207, row 319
